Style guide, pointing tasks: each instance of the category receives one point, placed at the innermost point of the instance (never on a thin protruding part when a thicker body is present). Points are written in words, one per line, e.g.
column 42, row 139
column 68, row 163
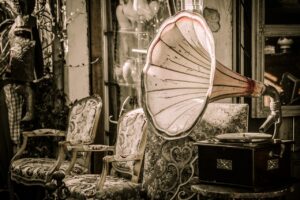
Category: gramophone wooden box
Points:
column 254, row 166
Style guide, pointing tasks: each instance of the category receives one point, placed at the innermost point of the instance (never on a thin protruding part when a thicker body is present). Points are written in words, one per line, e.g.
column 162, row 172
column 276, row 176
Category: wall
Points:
column 218, row 15
column 76, row 78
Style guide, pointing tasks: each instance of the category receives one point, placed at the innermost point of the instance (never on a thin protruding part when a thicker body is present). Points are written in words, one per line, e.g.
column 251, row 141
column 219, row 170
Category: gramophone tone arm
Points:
column 275, row 108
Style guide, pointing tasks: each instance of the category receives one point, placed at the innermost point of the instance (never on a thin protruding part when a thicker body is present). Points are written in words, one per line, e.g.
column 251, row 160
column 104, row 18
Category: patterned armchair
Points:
column 122, row 181
column 81, row 130
column 171, row 165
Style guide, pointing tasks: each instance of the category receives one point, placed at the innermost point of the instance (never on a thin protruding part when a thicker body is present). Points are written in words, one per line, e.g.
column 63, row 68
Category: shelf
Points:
column 280, row 54
column 133, row 85
column 131, row 32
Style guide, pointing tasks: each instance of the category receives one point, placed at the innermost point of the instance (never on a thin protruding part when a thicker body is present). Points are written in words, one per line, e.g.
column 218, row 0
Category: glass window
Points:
column 137, row 22
column 282, row 67
column 282, row 12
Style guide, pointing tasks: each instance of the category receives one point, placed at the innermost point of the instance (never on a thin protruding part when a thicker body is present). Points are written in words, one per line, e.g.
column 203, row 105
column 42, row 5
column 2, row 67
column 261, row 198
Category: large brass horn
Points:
column 182, row 76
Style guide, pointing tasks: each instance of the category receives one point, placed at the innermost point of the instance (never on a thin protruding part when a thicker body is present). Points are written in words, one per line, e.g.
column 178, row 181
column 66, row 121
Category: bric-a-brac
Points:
column 182, row 76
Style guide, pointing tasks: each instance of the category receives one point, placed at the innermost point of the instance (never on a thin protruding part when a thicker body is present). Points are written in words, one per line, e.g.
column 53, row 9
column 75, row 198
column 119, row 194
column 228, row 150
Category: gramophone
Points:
column 181, row 77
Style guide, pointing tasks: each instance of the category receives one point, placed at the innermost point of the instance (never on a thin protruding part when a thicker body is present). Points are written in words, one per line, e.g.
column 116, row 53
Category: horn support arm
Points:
column 275, row 107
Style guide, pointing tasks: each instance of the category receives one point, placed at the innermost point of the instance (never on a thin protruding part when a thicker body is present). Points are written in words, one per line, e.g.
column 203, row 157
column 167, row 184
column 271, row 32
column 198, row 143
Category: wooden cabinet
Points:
column 276, row 53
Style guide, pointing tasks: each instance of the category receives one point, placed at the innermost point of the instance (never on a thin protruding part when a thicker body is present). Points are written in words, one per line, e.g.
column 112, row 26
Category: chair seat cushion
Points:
column 83, row 187
column 34, row 171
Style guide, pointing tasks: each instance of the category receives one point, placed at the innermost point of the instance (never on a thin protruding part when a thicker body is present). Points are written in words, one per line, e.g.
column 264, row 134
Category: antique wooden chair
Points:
column 120, row 180
column 81, row 129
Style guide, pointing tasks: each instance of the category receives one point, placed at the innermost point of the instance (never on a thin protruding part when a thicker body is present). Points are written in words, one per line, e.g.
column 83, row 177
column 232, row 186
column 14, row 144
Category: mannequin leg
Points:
column 27, row 92
column 6, row 150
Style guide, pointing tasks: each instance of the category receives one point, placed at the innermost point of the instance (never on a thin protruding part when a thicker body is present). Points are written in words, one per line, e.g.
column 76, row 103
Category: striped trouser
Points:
column 14, row 104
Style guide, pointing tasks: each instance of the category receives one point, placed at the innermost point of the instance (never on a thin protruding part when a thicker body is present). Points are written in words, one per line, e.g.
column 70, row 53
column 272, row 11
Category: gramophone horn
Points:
column 181, row 76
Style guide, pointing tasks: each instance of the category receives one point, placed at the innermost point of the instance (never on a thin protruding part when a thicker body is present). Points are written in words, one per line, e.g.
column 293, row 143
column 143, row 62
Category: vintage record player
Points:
column 251, row 160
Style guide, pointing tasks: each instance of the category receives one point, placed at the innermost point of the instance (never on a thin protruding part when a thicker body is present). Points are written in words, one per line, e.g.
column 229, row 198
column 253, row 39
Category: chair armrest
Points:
column 36, row 133
column 83, row 148
column 114, row 158
column 120, row 158
column 44, row 132
column 90, row 147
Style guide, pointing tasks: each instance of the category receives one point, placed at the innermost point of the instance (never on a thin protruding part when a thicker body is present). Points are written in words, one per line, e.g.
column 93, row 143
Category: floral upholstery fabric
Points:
column 128, row 142
column 83, row 187
column 34, row 171
column 170, row 166
column 81, row 119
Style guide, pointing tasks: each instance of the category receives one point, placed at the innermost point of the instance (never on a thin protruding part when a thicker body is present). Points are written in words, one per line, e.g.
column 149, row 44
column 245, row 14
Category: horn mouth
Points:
column 177, row 77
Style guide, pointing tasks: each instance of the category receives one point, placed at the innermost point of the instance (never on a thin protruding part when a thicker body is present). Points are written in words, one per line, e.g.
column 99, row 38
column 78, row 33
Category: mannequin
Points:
column 23, row 49
column 21, row 64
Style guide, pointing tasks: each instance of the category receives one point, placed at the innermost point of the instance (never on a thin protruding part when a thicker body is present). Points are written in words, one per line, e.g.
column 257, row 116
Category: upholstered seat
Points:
column 82, row 124
column 123, row 181
column 84, row 187
column 32, row 171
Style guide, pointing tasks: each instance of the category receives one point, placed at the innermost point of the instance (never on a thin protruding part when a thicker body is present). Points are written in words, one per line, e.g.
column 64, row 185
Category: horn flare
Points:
column 178, row 73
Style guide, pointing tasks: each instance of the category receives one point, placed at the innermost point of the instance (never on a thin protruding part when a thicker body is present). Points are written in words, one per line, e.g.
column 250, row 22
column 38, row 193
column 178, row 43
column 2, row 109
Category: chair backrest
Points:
column 83, row 120
column 131, row 140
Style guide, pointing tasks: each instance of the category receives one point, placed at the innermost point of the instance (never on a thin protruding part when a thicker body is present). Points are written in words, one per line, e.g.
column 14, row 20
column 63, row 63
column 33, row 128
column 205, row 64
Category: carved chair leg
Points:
column 12, row 194
column 56, row 189
column 50, row 188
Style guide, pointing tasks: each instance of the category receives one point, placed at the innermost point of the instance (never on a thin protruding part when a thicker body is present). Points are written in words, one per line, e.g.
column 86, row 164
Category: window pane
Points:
column 282, row 67
column 282, row 12
column 135, row 24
